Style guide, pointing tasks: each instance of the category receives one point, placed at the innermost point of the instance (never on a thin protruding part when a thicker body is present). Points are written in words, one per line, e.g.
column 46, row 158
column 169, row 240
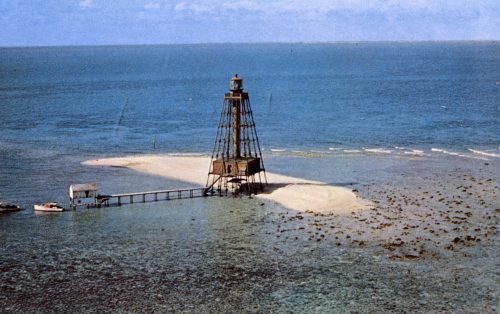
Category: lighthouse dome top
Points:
column 236, row 84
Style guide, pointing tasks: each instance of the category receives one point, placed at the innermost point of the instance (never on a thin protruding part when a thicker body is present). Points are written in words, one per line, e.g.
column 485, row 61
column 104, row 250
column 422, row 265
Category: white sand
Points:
column 294, row 193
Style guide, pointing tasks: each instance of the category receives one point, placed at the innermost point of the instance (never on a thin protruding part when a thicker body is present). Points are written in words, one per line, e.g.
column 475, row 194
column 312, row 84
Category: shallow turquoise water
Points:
column 223, row 254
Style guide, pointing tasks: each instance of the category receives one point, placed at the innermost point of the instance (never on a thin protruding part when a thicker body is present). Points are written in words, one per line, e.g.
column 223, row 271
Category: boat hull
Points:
column 9, row 208
column 42, row 208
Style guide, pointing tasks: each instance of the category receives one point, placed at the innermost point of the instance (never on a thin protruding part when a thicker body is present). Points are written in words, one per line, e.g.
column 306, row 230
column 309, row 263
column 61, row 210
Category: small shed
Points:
column 83, row 194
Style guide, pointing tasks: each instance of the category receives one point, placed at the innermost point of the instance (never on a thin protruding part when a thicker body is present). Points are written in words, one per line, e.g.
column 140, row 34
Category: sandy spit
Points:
column 294, row 193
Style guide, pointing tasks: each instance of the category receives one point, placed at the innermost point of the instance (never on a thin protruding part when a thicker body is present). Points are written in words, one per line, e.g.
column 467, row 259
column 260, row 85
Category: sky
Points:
column 115, row 22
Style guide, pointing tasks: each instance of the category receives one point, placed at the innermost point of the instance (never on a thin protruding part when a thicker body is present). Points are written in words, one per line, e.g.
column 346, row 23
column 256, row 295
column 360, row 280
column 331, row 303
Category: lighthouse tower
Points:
column 237, row 163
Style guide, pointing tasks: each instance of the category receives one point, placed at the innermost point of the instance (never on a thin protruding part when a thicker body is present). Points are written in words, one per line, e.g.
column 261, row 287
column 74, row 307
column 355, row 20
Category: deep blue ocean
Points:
column 62, row 105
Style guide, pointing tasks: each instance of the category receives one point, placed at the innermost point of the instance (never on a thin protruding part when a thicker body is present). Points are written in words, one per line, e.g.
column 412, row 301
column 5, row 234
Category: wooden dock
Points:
column 149, row 196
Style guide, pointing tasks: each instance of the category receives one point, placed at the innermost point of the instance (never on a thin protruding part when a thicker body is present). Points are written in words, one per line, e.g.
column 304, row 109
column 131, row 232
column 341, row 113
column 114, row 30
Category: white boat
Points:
column 49, row 207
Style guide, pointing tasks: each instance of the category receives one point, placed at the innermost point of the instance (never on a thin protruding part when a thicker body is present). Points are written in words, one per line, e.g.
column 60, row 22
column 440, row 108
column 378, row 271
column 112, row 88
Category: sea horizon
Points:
column 402, row 41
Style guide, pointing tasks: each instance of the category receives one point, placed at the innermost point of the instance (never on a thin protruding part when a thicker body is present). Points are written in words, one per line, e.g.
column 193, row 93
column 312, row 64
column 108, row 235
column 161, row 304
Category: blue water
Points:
column 117, row 99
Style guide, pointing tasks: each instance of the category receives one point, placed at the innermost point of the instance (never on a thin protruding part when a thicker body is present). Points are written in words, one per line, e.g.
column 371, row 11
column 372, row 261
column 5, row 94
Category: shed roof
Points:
column 83, row 187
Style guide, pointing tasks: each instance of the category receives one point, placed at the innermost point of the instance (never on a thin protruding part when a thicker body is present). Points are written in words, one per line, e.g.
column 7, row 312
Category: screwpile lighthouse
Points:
column 237, row 163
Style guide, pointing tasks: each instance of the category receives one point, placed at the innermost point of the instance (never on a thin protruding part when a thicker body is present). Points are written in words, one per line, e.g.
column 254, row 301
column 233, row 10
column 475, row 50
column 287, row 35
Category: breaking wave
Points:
column 443, row 151
column 478, row 152
column 378, row 150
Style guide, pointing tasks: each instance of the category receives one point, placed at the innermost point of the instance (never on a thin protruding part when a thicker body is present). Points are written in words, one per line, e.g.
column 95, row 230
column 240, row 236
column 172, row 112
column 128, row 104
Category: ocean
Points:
column 351, row 108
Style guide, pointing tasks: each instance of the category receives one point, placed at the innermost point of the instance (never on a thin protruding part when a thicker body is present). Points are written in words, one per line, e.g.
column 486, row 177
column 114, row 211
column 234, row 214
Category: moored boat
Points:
column 49, row 207
column 8, row 208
